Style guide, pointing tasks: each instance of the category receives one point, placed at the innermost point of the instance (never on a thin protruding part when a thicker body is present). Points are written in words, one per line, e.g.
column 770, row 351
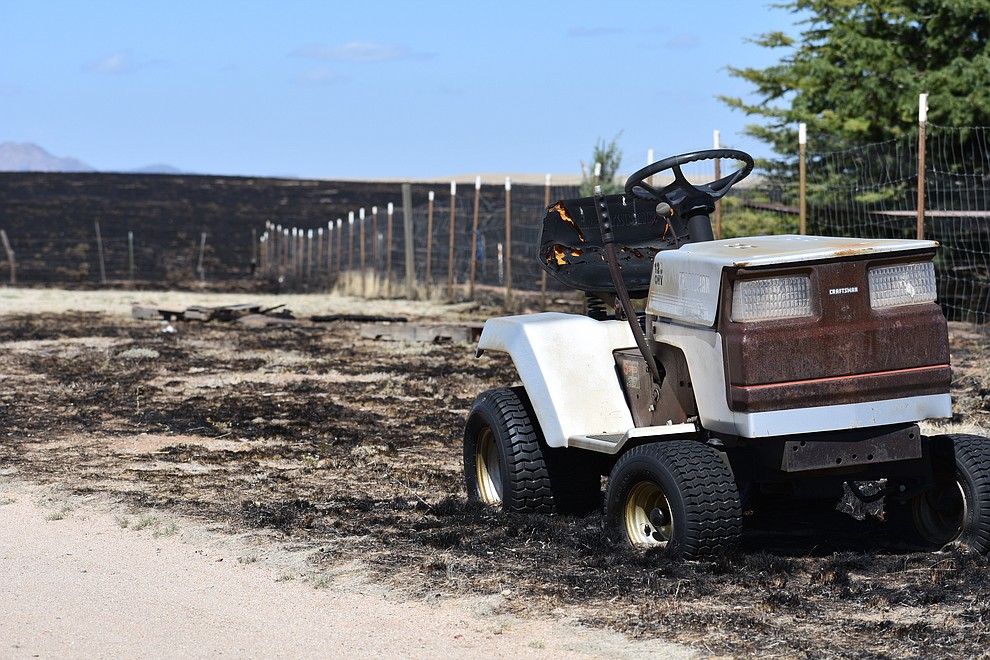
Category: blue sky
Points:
column 375, row 89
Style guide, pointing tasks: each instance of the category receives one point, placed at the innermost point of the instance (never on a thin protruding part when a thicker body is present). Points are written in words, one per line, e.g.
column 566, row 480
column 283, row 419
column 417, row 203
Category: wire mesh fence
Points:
column 113, row 230
column 107, row 260
column 454, row 242
column 871, row 191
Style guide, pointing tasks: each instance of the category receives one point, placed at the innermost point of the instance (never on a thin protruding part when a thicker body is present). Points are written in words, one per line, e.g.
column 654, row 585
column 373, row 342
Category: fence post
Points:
column 340, row 251
column 374, row 249
column 429, row 243
column 508, row 237
column 450, row 252
column 269, row 245
column 716, row 143
column 361, row 233
column 130, row 254
column 319, row 254
column 350, row 251
column 292, row 253
column 388, row 246
column 202, row 249
column 312, row 267
column 254, row 251
column 10, row 256
column 286, row 244
column 99, row 251
column 407, row 224
column 922, row 122
column 330, row 255
column 474, row 237
column 543, row 272
column 802, row 179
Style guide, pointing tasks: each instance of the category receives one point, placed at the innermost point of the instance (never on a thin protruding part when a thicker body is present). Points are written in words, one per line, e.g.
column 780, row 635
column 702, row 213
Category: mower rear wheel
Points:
column 958, row 506
column 678, row 495
column 503, row 457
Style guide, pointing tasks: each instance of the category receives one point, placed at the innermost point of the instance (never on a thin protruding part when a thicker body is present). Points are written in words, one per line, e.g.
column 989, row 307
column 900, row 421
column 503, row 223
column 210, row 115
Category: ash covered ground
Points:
column 349, row 449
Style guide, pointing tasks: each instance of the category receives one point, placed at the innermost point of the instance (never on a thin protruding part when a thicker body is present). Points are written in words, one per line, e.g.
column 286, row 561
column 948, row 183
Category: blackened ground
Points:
column 352, row 448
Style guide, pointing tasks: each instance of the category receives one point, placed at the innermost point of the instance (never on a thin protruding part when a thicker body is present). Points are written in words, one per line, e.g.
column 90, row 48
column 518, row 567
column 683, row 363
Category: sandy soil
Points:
column 84, row 580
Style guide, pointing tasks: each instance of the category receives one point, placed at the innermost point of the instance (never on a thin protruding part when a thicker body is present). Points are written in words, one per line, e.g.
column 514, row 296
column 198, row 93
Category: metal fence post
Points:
column 922, row 122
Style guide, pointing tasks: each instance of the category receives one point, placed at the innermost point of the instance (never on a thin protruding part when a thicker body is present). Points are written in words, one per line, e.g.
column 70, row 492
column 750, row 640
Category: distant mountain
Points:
column 157, row 169
column 29, row 157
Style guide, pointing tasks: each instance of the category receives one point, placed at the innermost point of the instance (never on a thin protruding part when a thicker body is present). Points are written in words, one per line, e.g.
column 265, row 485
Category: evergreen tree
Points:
column 855, row 72
column 610, row 157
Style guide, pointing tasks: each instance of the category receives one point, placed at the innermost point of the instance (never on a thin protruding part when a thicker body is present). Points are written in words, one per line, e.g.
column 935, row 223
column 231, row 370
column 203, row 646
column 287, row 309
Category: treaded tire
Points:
column 678, row 495
column 503, row 456
column 956, row 509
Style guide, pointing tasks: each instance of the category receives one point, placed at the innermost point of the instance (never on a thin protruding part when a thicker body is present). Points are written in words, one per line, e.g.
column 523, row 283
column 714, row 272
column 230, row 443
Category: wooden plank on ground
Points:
column 153, row 313
column 197, row 312
column 437, row 333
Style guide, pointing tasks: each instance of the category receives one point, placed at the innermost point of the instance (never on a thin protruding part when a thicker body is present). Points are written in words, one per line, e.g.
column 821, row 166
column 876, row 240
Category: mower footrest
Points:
column 611, row 443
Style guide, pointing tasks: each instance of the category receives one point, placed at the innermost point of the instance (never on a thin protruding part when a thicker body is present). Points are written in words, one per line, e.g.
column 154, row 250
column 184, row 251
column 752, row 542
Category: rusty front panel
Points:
column 846, row 352
column 919, row 381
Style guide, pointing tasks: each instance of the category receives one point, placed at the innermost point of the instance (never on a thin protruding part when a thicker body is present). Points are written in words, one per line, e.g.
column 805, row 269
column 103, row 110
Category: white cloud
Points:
column 118, row 62
column 359, row 51
column 683, row 42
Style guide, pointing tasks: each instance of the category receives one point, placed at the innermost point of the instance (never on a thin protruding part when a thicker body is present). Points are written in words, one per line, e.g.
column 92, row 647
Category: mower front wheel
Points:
column 677, row 495
column 503, row 457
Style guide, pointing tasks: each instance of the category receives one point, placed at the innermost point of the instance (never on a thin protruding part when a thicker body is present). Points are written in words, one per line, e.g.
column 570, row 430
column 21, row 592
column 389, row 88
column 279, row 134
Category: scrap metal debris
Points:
column 386, row 328
column 223, row 313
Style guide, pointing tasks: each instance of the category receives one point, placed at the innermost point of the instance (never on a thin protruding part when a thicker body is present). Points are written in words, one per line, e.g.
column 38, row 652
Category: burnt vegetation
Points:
column 351, row 449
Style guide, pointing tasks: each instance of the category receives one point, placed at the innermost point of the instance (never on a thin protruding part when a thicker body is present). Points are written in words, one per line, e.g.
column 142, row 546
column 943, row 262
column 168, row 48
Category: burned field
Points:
column 349, row 449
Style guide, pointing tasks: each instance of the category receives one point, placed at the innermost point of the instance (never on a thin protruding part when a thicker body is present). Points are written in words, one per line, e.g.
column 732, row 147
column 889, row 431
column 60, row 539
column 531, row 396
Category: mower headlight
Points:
column 771, row 298
column 904, row 284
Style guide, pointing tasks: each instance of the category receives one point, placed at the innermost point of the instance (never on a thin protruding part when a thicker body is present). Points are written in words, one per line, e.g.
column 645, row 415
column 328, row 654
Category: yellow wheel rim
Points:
column 489, row 472
column 941, row 513
column 647, row 516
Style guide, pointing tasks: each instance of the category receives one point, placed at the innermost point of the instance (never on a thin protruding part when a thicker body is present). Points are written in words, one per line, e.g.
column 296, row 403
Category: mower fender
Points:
column 566, row 365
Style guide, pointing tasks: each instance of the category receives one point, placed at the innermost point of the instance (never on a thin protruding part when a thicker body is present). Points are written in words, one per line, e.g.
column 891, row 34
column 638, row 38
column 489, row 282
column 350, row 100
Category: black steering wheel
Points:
column 681, row 194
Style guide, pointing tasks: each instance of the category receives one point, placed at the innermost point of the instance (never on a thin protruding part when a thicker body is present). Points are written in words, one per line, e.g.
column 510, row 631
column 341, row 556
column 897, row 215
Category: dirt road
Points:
column 79, row 580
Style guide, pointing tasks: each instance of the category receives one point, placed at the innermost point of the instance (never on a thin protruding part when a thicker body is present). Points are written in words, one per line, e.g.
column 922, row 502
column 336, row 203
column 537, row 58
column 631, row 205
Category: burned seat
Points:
column 571, row 247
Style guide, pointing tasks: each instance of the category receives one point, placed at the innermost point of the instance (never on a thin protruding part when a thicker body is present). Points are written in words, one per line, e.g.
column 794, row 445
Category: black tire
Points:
column 678, row 495
column 507, row 462
column 958, row 507
column 503, row 457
